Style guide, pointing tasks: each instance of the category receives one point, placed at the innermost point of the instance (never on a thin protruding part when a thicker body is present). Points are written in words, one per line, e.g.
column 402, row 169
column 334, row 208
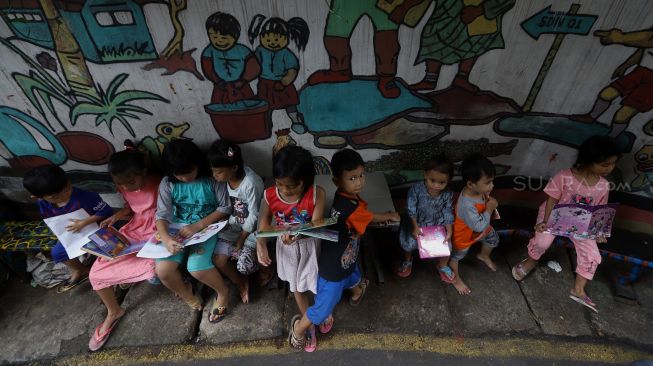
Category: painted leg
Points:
column 462, row 78
column 430, row 80
column 339, row 62
column 386, row 50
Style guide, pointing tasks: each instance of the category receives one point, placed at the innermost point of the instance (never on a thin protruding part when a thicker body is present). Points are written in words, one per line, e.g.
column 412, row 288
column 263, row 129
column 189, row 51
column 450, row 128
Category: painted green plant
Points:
column 114, row 105
column 38, row 85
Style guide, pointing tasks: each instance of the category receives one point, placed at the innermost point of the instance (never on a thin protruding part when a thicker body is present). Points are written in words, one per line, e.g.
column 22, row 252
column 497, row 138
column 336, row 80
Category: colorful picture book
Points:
column 154, row 248
column 109, row 243
column 582, row 221
column 313, row 229
column 432, row 243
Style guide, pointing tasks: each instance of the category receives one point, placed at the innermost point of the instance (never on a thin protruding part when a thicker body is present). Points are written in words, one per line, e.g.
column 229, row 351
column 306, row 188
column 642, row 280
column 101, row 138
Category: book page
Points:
column 154, row 248
column 432, row 242
column 569, row 220
column 72, row 242
column 601, row 223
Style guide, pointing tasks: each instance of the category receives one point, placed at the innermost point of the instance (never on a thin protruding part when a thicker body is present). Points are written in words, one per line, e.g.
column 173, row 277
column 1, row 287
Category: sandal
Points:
column 310, row 345
column 585, row 300
column 98, row 340
column 405, row 269
column 295, row 342
column 69, row 285
column 519, row 272
column 196, row 303
column 327, row 325
column 363, row 286
column 446, row 274
column 220, row 311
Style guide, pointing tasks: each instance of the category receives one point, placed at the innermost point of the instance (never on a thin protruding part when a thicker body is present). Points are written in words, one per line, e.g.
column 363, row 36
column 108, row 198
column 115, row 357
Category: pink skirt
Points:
column 128, row 269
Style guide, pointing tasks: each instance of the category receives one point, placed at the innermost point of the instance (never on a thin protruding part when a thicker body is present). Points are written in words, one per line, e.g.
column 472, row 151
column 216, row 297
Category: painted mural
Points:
column 398, row 80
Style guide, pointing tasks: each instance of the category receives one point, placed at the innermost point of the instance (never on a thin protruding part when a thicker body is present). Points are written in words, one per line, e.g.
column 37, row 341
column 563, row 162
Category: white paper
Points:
column 72, row 242
column 154, row 248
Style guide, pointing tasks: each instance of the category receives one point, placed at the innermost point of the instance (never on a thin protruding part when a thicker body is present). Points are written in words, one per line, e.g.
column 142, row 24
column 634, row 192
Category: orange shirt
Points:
column 463, row 236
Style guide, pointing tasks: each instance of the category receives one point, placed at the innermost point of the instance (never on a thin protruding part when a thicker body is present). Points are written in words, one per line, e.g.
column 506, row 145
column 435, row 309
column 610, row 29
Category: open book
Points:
column 432, row 243
column 109, row 243
column 154, row 248
column 582, row 221
column 314, row 229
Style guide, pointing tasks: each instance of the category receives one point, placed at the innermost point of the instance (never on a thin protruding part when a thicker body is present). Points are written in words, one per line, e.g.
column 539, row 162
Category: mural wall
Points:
column 524, row 82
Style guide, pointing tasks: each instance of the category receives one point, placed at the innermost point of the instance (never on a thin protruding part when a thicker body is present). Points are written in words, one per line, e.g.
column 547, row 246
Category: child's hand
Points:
column 417, row 232
column 601, row 239
column 288, row 239
column 262, row 254
column 173, row 246
column 239, row 245
column 540, row 227
column 491, row 204
column 189, row 230
column 75, row 225
column 108, row 221
column 393, row 216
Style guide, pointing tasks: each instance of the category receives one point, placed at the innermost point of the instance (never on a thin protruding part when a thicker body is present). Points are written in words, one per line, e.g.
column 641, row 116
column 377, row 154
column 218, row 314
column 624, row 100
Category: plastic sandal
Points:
column 196, row 303
column 310, row 345
column 296, row 343
column 446, row 274
column 363, row 286
column 327, row 325
column 405, row 269
column 220, row 311
column 586, row 301
column 519, row 272
column 98, row 340
column 69, row 285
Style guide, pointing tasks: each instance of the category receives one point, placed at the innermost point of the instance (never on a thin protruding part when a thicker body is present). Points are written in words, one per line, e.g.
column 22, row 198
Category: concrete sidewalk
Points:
column 38, row 324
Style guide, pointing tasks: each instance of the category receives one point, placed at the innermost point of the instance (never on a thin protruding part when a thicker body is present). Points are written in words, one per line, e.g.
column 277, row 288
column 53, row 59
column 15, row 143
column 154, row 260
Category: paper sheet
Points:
column 72, row 242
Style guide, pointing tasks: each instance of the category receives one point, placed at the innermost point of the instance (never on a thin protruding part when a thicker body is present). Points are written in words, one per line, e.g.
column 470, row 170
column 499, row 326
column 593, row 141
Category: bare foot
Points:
column 461, row 286
column 488, row 262
column 110, row 319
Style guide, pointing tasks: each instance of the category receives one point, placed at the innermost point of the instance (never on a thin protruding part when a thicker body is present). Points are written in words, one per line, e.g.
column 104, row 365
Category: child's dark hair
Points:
column 345, row 159
column 181, row 156
column 127, row 162
column 224, row 23
column 295, row 29
column 596, row 149
column 45, row 180
column 441, row 164
column 226, row 154
column 475, row 166
column 296, row 163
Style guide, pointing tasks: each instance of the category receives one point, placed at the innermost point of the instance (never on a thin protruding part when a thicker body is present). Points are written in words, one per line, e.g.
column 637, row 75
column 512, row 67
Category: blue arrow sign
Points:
column 547, row 21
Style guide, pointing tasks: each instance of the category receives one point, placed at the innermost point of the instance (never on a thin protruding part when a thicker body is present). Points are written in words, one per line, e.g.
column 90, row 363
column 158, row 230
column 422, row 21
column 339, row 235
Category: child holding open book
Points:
column 429, row 203
column 583, row 184
column 140, row 191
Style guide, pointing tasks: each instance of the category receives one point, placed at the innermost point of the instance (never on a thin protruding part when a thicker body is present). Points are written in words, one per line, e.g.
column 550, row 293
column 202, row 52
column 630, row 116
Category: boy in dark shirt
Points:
column 338, row 262
column 56, row 196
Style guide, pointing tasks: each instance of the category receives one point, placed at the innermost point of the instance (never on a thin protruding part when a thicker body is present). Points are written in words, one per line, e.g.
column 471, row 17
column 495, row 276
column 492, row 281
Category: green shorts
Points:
column 198, row 257
column 345, row 14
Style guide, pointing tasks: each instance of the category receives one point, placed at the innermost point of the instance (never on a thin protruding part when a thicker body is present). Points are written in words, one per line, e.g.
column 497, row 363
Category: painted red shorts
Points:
column 277, row 98
column 637, row 89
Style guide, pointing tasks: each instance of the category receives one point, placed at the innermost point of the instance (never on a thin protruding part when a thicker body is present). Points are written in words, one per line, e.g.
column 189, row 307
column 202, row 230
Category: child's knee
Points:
column 220, row 261
column 203, row 275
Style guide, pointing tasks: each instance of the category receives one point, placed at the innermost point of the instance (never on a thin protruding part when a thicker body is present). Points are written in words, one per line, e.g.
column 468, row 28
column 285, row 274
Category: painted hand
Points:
column 609, row 36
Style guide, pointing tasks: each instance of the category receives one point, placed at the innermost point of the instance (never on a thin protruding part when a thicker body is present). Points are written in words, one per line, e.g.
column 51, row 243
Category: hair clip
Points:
column 230, row 153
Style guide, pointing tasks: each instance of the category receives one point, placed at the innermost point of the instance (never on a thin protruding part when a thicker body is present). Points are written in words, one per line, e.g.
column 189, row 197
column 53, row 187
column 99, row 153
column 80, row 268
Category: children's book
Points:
column 308, row 229
column 109, row 243
column 154, row 248
column 322, row 233
column 432, row 243
column 582, row 221
column 71, row 241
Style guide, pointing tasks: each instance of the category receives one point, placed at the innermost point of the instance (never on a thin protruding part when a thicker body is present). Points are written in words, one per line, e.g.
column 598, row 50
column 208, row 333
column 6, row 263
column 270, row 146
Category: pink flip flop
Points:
column 446, row 274
column 327, row 326
column 98, row 340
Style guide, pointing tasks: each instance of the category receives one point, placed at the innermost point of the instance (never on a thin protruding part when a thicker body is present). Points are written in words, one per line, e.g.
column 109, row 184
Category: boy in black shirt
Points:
column 338, row 262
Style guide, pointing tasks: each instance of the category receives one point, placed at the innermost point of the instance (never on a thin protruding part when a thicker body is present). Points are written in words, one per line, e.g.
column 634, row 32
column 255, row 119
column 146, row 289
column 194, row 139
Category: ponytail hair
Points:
column 295, row 29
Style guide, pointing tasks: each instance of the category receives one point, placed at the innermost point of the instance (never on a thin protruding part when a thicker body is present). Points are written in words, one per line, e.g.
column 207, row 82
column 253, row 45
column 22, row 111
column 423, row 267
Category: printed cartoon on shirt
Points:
column 240, row 210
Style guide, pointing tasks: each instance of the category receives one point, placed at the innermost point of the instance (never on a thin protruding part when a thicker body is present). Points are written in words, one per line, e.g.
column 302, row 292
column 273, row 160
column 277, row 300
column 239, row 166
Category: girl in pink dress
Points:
column 582, row 184
column 140, row 191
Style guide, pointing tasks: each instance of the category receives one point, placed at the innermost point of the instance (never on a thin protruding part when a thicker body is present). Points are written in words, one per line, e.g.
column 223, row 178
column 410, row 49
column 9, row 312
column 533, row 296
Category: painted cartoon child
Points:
column 279, row 65
column 228, row 64
column 635, row 88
